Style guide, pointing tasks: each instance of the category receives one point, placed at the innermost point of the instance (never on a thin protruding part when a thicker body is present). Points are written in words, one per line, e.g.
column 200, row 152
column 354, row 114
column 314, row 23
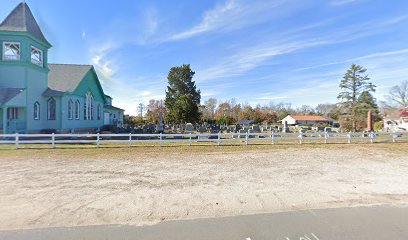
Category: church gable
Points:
column 90, row 83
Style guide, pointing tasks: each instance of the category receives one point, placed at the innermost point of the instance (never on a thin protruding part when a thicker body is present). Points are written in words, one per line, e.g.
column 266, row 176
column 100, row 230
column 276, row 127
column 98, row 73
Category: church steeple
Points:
column 21, row 19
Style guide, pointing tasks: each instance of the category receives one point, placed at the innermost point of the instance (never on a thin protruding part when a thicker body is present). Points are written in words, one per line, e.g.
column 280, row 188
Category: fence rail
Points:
column 190, row 138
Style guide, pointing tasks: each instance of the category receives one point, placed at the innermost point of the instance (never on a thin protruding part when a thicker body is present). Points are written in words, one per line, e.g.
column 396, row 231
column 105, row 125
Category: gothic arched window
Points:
column 88, row 107
column 70, row 109
column 51, row 109
column 36, row 111
column 77, row 109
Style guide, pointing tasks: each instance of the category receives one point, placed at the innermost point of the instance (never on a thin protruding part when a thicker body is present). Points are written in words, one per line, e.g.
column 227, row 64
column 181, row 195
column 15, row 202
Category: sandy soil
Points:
column 138, row 187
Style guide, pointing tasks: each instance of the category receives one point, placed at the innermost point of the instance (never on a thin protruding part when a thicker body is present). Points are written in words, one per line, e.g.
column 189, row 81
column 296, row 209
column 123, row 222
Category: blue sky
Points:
column 256, row 51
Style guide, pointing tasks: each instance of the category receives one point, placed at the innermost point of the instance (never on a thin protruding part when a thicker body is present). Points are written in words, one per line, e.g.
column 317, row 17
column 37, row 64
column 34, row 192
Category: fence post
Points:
column 16, row 138
column 53, row 140
column 246, row 138
column 219, row 138
column 349, row 137
column 325, row 137
column 190, row 140
column 300, row 138
column 161, row 142
column 372, row 137
column 273, row 137
column 97, row 140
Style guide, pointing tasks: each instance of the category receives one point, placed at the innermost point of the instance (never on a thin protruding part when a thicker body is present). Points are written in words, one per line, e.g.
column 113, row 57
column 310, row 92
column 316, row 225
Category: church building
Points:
column 36, row 96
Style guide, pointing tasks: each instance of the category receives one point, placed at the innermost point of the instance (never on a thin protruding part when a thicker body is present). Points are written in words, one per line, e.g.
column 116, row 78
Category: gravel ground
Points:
column 77, row 187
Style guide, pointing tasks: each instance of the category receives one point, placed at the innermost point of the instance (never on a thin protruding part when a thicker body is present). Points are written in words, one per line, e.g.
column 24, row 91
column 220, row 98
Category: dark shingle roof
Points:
column 6, row 94
column 21, row 19
column 66, row 77
column 112, row 107
column 52, row 93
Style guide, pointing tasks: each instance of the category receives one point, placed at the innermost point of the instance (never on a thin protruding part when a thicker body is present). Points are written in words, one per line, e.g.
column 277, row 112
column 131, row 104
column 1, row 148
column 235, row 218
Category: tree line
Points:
column 183, row 103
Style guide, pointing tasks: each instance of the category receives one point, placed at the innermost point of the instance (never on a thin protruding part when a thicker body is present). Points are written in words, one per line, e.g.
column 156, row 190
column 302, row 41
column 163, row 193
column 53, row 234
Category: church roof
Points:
column 112, row 107
column 52, row 93
column 21, row 19
column 6, row 94
column 308, row 118
column 66, row 77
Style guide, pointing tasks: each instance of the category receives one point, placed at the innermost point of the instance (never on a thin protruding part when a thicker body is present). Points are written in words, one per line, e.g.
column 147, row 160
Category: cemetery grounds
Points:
column 148, row 184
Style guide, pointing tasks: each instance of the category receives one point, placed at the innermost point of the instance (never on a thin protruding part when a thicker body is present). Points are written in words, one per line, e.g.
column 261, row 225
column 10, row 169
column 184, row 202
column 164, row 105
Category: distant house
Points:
column 38, row 96
column 397, row 123
column 306, row 120
column 113, row 116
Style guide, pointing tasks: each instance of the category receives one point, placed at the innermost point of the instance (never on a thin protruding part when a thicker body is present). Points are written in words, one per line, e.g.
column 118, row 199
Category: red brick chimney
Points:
column 370, row 123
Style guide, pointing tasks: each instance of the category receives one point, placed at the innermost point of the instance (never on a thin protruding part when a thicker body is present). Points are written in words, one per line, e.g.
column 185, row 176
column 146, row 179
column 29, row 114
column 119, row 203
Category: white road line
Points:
column 315, row 236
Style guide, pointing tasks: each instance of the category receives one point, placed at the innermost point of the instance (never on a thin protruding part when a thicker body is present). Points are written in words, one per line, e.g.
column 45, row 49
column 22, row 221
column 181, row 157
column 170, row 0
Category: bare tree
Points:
column 210, row 106
column 305, row 110
column 325, row 109
column 398, row 95
column 140, row 109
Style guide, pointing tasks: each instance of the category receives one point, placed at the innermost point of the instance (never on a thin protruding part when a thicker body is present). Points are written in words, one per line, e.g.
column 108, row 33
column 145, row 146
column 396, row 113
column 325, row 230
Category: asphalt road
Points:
column 378, row 222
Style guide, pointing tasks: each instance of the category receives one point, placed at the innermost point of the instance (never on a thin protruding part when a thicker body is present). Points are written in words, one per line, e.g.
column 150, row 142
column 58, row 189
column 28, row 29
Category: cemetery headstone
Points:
column 285, row 127
column 256, row 129
column 189, row 127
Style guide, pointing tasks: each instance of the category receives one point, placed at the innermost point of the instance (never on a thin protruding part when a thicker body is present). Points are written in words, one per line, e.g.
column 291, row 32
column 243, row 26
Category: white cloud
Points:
column 146, row 32
column 343, row 2
column 247, row 59
column 271, row 98
column 374, row 55
column 232, row 14
column 212, row 19
column 106, row 69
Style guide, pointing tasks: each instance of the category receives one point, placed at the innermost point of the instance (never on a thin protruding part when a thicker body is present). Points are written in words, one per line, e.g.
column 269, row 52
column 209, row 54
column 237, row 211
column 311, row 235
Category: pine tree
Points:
column 369, row 103
column 366, row 103
column 353, row 84
column 182, row 96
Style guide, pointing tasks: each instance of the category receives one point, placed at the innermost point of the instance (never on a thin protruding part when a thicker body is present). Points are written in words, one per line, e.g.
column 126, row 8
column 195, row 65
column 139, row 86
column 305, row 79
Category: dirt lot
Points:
column 145, row 185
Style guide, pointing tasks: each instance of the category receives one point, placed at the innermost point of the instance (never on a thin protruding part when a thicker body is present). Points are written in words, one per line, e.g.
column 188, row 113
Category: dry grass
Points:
column 116, row 150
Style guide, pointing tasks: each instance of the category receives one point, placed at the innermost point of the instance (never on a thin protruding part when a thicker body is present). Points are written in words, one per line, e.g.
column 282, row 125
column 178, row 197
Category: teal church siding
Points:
column 90, row 83
column 24, row 84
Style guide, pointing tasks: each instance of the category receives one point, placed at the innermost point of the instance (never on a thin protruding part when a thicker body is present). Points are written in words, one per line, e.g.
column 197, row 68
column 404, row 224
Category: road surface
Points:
column 377, row 222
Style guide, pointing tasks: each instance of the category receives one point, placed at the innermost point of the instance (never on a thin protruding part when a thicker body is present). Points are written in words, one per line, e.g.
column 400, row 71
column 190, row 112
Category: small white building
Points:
column 397, row 123
column 306, row 120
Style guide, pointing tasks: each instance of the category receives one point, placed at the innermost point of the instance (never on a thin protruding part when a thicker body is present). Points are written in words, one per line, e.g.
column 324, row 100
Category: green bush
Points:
column 379, row 126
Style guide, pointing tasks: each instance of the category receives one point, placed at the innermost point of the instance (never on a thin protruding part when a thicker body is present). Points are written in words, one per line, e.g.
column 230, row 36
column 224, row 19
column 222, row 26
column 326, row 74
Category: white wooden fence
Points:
column 193, row 138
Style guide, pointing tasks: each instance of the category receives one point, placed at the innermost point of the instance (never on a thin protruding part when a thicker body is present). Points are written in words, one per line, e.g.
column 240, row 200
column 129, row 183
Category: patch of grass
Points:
column 116, row 150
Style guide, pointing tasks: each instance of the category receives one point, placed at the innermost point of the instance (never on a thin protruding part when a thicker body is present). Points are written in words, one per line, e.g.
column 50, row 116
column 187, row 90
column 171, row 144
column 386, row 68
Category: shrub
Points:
column 379, row 126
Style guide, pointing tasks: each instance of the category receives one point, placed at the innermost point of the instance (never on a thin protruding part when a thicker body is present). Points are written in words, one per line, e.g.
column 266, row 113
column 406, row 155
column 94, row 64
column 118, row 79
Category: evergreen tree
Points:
column 366, row 103
column 353, row 84
column 369, row 103
column 182, row 96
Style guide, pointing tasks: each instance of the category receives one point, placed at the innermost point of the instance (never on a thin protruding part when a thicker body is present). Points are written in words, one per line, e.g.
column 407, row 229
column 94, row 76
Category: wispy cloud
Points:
column 272, row 98
column 232, row 14
column 212, row 19
column 105, row 55
column 374, row 55
column 251, row 58
column 106, row 68
column 343, row 2
column 148, row 29
column 247, row 59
